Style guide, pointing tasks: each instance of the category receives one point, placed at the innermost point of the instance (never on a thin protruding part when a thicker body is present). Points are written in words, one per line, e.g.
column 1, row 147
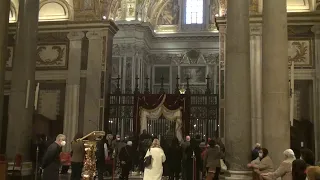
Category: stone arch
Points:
column 13, row 13
column 55, row 10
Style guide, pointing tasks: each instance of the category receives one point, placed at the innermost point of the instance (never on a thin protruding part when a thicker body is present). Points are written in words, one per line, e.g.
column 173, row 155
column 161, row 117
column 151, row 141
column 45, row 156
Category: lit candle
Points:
column 36, row 97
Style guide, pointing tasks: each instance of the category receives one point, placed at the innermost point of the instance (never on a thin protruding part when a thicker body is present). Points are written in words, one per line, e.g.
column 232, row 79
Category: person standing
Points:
column 174, row 160
column 125, row 157
column 155, row 170
column 101, row 156
column 51, row 159
column 77, row 157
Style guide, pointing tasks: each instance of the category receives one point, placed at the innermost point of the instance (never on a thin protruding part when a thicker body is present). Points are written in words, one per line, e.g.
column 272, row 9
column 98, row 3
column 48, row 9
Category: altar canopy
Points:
column 152, row 106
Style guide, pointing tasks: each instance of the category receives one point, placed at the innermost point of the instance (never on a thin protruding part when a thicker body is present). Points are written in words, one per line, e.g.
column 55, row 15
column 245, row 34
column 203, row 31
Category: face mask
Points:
column 63, row 143
column 260, row 155
column 118, row 139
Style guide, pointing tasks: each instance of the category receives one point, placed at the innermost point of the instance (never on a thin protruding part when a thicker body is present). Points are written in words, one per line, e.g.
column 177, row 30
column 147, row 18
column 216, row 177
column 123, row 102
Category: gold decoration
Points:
column 90, row 144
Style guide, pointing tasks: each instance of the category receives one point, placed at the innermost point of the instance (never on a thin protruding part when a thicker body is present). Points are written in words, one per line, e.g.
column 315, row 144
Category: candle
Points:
column 36, row 97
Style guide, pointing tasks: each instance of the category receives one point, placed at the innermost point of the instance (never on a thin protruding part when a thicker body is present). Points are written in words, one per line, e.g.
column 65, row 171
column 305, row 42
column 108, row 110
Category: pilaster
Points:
column 222, row 60
column 316, row 31
column 93, row 83
column 256, row 82
column 71, row 112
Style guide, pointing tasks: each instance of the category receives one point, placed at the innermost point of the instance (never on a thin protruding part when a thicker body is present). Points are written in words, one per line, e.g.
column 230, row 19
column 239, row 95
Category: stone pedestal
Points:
column 316, row 31
column 4, row 21
column 275, row 78
column 238, row 110
column 21, row 103
column 71, row 112
column 256, row 83
column 98, row 73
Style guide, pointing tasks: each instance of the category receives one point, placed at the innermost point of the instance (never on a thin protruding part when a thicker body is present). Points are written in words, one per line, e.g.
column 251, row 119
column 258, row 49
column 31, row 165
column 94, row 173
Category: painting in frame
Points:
column 197, row 74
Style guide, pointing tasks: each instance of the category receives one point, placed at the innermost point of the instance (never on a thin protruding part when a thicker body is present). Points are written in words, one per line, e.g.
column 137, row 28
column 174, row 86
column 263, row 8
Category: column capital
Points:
column 94, row 35
column 316, row 29
column 223, row 29
column 75, row 35
column 256, row 30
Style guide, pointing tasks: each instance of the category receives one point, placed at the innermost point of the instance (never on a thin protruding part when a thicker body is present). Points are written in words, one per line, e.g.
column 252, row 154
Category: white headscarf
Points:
column 289, row 155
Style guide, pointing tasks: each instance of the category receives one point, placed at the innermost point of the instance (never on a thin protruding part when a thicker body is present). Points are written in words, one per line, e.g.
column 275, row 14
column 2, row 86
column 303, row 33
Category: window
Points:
column 194, row 11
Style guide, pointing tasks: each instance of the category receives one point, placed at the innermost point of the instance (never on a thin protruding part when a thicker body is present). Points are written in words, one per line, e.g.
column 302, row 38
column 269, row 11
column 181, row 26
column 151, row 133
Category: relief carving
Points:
column 51, row 56
column 299, row 52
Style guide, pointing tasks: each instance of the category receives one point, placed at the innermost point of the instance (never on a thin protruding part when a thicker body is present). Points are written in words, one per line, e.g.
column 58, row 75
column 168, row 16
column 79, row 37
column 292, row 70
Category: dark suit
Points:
column 51, row 162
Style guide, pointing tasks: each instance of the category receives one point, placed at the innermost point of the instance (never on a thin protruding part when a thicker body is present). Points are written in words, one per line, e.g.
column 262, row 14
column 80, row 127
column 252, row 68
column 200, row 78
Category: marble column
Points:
column 221, row 90
column 316, row 31
column 21, row 103
column 238, row 110
column 275, row 78
column 4, row 21
column 93, row 82
column 71, row 110
column 256, row 83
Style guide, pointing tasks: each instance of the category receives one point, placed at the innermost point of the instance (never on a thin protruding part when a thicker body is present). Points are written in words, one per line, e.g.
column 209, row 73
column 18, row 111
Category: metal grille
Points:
column 203, row 113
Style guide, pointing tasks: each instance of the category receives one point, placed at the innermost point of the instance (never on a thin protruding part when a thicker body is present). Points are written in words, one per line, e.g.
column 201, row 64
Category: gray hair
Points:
column 60, row 137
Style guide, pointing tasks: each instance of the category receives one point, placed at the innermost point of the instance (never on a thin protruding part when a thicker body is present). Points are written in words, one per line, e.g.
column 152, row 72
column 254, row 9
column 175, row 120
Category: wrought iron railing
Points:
column 203, row 107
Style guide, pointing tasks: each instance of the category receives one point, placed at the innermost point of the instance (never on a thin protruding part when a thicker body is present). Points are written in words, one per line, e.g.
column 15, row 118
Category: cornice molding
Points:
column 67, row 26
column 301, row 18
column 49, row 75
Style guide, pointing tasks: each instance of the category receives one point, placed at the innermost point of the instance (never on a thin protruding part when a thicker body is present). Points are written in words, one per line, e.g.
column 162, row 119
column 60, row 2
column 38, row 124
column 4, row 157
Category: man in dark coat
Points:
column 125, row 157
column 51, row 159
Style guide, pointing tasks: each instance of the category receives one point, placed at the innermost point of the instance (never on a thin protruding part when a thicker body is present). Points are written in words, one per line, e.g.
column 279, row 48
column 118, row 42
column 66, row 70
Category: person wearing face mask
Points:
column 263, row 164
column 51, row 159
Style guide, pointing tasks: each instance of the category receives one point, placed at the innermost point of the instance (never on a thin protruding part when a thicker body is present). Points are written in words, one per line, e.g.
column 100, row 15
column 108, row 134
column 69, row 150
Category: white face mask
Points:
column 118, row 139
column 63, row 143
column 260, row 155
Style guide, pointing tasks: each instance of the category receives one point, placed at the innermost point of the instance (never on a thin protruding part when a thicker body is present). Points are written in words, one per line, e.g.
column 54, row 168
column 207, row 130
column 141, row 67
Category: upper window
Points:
column 194, row 11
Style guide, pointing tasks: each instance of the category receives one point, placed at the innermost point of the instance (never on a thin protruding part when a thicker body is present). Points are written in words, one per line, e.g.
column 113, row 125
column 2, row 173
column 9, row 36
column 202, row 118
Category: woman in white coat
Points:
column 155, row 170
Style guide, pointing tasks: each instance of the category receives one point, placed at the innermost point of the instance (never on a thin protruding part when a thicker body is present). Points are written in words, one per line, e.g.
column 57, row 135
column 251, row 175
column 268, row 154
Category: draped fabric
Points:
column 172, row 115
column 171, row 106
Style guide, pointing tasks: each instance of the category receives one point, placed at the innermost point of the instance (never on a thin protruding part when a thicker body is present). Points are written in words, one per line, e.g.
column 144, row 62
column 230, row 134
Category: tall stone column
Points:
column 93, row 82
column 238, row 114
column 275, row 78
column 4, row 21
column 316, row 31
column 256, row 83
column 71, row 112
column 21, row 103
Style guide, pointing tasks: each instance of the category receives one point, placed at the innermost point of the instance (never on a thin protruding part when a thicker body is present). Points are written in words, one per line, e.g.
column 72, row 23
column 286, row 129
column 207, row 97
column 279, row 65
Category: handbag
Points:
column 147, row 160
column 223, row 165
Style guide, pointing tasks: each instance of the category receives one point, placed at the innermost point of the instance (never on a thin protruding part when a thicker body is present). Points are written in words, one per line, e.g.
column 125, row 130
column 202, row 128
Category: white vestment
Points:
column 155, row 170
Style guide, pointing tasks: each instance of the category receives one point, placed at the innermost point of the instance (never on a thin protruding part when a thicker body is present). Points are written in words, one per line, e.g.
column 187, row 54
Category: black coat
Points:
column 51, row 162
